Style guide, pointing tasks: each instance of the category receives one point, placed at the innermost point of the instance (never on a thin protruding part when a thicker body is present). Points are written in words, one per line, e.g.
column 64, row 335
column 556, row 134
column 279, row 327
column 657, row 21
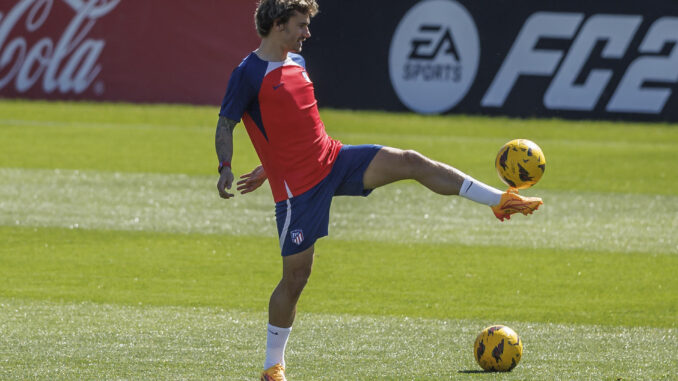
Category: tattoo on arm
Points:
column 223, row 140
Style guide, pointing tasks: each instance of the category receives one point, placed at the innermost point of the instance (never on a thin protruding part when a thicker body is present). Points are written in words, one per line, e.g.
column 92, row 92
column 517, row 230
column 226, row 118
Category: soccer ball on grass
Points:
column 498, row 349
column 520, row 163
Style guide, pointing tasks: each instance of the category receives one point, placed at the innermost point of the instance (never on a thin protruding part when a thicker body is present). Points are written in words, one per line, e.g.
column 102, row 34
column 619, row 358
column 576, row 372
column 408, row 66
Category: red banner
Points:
column 114, row 50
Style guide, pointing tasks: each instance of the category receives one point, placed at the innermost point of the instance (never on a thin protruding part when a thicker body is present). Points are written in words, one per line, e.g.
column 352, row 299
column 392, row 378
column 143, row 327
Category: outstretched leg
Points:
column 392, row 164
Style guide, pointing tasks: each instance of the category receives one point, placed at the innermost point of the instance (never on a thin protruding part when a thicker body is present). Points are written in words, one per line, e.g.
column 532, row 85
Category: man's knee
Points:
column 413, row 162
column 413, row 157
column 394, row 164
column 296, row 280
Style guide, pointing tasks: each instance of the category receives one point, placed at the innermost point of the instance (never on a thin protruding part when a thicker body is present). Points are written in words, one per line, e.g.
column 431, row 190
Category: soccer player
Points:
column 273, row 94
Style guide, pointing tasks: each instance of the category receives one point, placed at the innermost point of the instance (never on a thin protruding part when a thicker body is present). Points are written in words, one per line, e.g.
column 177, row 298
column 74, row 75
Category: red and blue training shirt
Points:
column 277, row 104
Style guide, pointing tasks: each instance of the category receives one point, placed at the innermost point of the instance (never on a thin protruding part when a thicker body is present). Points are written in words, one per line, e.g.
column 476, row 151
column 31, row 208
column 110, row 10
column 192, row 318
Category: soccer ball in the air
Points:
column 498, row 349
column 520, row 163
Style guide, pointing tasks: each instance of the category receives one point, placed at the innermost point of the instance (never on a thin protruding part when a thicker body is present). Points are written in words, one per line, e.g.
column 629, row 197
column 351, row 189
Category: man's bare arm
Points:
column 223, row 142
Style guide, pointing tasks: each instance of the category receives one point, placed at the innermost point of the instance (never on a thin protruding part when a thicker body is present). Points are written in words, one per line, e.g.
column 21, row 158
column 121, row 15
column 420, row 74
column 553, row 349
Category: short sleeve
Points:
column 239, row 95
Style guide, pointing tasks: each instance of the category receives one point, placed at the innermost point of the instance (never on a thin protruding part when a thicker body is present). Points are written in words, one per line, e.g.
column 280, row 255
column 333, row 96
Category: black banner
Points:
column 547, row 58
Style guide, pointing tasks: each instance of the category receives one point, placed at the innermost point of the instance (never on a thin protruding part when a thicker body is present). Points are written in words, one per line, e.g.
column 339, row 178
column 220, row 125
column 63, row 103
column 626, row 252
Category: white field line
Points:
column 405, row 212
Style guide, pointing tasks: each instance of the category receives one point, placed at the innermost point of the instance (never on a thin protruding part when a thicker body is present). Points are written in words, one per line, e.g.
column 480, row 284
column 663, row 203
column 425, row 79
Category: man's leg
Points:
column 282, row 306
column 392, row 164
column 296, row 271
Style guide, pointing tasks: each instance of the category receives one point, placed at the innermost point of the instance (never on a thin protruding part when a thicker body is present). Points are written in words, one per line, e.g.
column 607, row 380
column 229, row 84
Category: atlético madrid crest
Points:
column 297, row 236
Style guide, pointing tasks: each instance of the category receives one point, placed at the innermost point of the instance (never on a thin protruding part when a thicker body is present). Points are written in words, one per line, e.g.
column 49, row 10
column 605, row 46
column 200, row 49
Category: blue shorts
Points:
column 304, row 218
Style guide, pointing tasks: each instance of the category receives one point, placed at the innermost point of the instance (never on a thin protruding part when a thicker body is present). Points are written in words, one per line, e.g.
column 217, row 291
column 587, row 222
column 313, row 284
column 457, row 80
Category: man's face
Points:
column 295, row 32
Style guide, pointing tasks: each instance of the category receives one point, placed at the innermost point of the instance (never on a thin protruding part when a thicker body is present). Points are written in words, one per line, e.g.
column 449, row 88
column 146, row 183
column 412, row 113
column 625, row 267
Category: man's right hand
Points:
column 225, row 182
column 251, row 181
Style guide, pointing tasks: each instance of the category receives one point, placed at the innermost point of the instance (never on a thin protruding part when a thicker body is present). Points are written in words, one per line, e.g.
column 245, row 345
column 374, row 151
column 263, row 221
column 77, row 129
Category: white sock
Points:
column 479, row 192
column 275, row 345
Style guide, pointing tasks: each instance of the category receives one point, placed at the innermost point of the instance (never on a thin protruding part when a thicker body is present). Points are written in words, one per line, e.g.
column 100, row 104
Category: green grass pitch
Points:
column 119, row 261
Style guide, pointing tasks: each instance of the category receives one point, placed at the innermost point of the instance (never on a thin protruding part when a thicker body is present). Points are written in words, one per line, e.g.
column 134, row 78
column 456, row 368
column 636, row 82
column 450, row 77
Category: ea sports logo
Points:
column 434, row 56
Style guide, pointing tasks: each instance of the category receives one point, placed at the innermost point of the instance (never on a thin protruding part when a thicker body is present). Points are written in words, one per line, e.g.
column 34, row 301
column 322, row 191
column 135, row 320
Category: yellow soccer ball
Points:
column 520, row 163
column 498, row 349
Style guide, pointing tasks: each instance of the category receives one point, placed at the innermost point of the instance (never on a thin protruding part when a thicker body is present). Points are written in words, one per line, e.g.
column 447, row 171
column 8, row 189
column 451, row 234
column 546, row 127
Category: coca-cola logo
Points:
column 69, row 65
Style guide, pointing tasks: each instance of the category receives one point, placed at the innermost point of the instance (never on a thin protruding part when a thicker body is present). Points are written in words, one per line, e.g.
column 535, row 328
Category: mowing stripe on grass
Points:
column 82, row 124
column 405, row 213
column 44, row 340
column 364, row 135
column 437, row 281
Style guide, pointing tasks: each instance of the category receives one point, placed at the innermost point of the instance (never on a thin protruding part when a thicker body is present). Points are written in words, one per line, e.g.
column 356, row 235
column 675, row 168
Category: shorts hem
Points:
column 302, row 247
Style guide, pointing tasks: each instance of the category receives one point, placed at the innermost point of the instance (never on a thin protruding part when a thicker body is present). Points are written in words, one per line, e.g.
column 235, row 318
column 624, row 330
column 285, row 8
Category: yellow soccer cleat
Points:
column 511, row 202
column 274, row 373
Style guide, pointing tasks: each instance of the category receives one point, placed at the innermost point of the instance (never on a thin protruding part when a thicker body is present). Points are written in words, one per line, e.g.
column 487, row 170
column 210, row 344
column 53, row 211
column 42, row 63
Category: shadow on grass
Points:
column 474, row 371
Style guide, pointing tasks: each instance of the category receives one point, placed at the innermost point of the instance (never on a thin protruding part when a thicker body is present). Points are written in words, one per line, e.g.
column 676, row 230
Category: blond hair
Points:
column 279, row 12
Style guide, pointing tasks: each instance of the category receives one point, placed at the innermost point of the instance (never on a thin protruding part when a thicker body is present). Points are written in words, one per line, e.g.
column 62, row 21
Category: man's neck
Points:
column 269, row 51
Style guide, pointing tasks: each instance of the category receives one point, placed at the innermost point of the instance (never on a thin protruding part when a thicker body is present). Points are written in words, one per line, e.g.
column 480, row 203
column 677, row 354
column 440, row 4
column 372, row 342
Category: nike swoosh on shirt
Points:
column 275, row 87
